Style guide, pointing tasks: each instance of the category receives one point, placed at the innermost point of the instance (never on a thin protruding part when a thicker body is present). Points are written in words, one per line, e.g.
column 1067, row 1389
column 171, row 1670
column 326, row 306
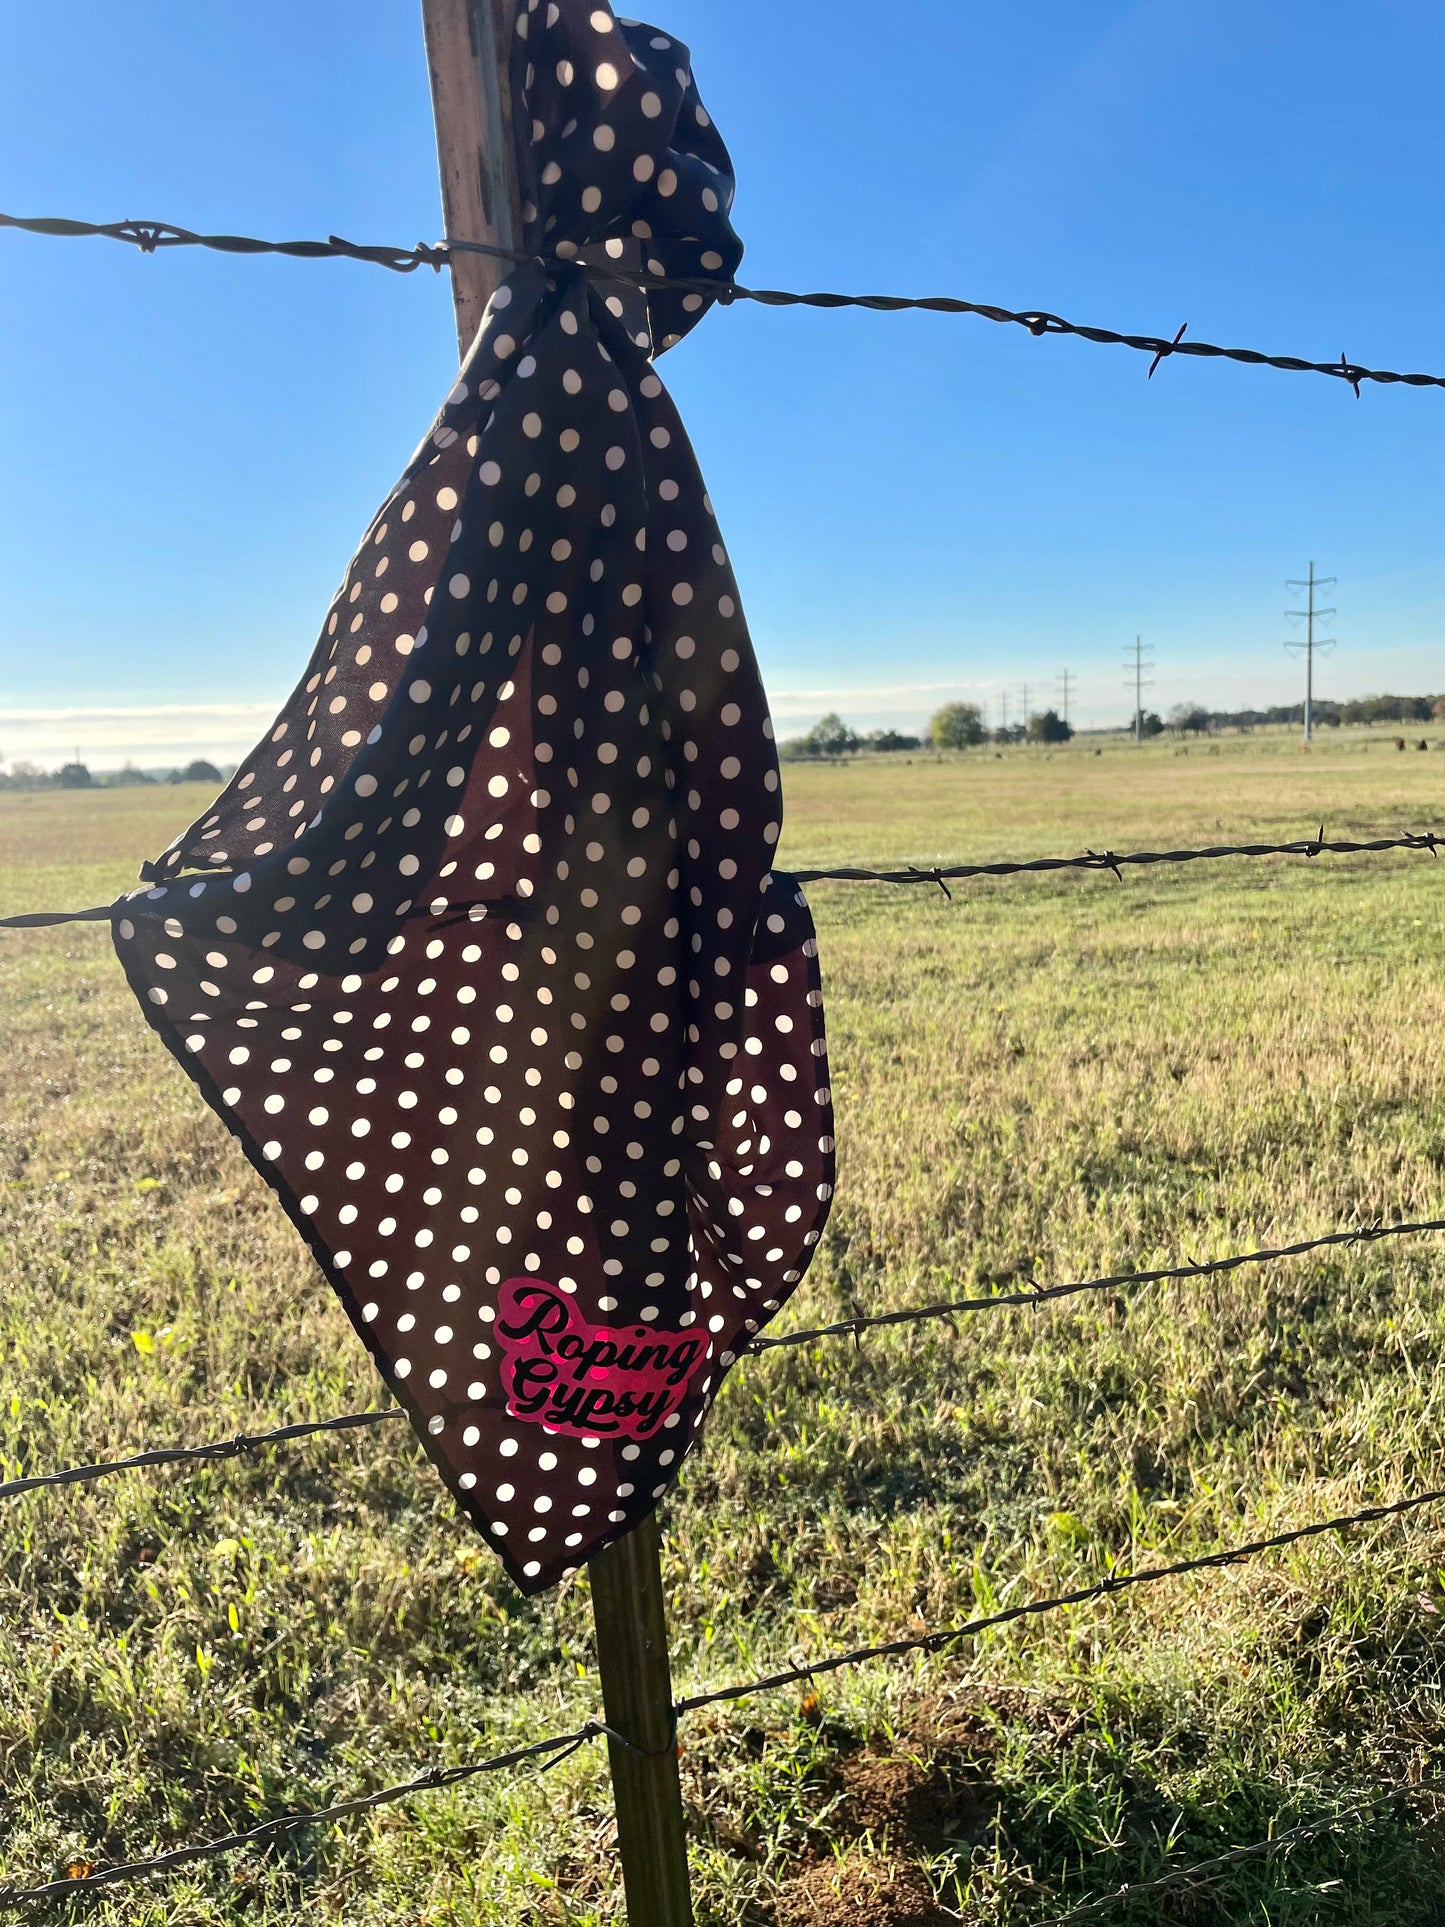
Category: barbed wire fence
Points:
column 242, row 1444
column 151, row 237
column 1115, row 862
column 558, row 1747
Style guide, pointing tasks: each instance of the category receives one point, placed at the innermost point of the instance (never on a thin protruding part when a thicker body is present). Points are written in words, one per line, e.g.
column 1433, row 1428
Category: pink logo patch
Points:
column 594, row 1381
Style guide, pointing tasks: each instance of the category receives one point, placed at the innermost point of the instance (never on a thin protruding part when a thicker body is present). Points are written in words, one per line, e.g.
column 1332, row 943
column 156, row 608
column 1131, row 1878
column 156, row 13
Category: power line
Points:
column 151, row 236
column 1309, row 614
column 1115, row 860
column 1143, row 659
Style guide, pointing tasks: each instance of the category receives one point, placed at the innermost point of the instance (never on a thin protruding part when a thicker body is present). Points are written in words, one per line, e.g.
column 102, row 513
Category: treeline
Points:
column 831, row 736
column 77, row 776
column 955, row 726
column 1193, row 719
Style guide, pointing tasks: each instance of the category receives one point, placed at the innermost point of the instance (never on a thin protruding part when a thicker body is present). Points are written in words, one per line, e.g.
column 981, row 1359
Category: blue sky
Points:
column 918, row 507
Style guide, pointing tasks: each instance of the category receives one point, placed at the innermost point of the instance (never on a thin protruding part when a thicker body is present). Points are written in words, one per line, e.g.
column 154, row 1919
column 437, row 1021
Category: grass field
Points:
column 1043, row 1078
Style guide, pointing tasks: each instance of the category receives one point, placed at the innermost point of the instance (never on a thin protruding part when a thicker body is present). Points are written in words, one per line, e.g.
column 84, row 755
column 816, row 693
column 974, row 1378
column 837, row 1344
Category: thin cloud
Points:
column 107, row 736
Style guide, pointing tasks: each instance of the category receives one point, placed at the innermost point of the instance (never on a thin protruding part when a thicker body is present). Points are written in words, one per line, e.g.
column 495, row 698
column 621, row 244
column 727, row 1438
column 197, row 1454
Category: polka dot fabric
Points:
column 481, row 954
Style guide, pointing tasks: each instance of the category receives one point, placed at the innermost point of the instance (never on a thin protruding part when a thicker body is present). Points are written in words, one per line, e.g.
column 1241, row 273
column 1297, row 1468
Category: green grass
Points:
column 1044, row 1078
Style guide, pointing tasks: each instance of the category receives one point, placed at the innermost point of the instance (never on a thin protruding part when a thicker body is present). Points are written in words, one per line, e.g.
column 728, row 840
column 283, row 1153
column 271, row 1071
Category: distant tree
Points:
column 1150, row 723
column 200, row 771
column 831, row 736
column 26, row 776
column 957, row 726
column 128, row 774
column 888, row 740
column 1048, row 726
column 1189, row 719
column 73, row 776
column 1007, row 733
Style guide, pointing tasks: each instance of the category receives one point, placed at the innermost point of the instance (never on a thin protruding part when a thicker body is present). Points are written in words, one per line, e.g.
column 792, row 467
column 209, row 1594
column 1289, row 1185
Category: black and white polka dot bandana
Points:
column 480, row 954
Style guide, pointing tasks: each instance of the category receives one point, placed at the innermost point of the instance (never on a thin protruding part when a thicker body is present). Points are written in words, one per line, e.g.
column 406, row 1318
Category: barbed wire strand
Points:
column 559, row 1746
column 1204, row 1871
column 853, row 1327
column 218, row 1449
column 1118, row 860
column 1086, row 1595
column 151, row 236
column 1115, row 861
column 1116, row 1281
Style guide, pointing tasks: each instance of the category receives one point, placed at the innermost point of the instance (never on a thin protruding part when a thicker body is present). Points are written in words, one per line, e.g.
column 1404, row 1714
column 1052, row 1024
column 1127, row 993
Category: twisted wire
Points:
column 560, row 1746
column 934, row 1642
column 180, row 1454
column 1117, row 861
column 1204, row 1871
column 1116, row 1281
column 151, row 236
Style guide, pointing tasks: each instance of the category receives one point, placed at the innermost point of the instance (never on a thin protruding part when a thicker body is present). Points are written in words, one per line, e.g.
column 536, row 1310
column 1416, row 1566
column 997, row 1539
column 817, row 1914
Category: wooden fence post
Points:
column 467, row 47
column 631, row 1620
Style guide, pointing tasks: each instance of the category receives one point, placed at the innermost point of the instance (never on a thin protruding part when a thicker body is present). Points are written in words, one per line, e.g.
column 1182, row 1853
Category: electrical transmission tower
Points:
column 1307, row 648
column 1024, row 692
column 1064, row 682
column 1141, row 660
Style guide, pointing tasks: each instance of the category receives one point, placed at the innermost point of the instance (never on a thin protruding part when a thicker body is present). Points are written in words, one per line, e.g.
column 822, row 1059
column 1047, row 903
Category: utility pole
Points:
column 1142, row 659
column 1064, row 680
column 1003, row 709
column 468, row 47
column 1311, row 642
column 1024, row 692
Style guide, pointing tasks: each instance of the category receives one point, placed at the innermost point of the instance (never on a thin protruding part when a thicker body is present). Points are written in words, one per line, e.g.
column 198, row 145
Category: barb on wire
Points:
column 1085, row 1595
column 176, row 1454
column 1166, row 349
column 1116, row 1281
column 939, row 874
column 1204, row 1871
column 149, row 236
column 560, row 1747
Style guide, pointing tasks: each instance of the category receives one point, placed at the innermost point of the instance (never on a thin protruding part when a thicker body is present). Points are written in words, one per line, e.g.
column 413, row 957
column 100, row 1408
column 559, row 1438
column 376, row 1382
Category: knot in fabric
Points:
column 621, row 166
